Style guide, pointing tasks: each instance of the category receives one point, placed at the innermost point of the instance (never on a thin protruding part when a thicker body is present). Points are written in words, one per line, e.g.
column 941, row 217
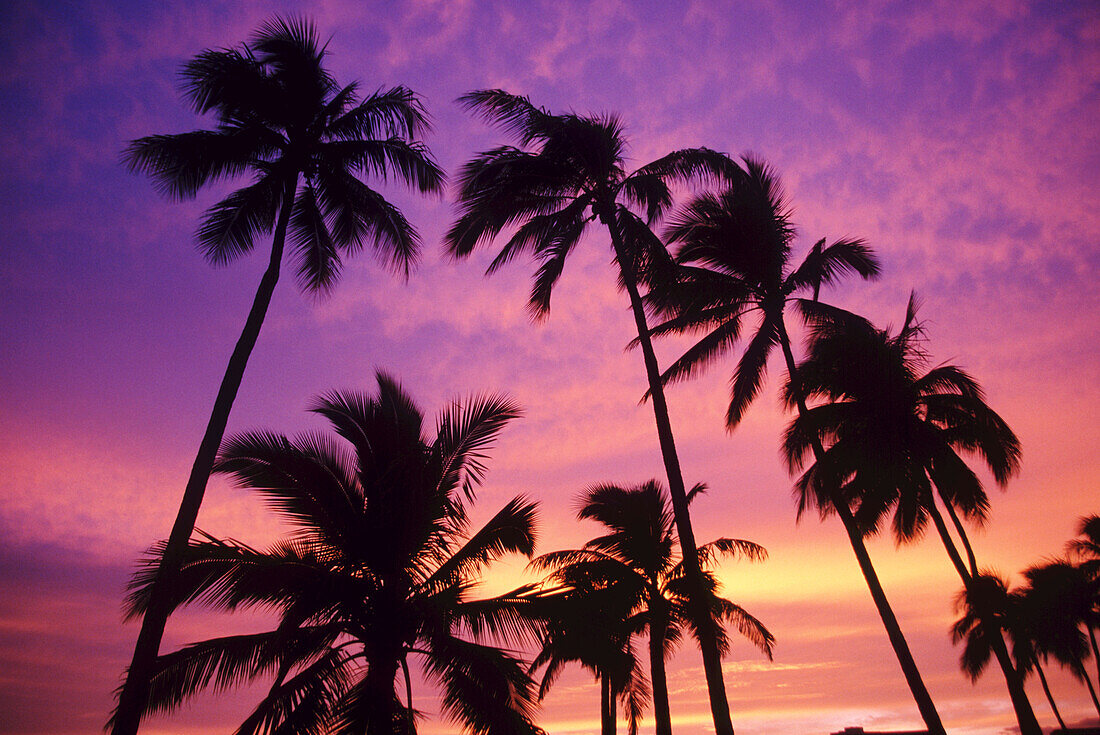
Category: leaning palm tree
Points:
column 735, row 252
column 306, row 142
column 636, row 564
column 378, row 569
column 893, row 435
column 568, row 171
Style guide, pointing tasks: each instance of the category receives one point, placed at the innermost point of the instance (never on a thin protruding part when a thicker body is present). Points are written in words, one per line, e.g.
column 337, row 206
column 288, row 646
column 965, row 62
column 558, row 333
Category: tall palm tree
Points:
column 893, row 439
column 306, row 142
column 735, row 252
column 636, row 562
column 568, row 171
column 378, row 568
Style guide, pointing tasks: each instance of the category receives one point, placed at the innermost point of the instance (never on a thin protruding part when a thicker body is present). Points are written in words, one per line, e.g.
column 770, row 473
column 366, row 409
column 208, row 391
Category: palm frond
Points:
column 305, row 703
column 693, row 166
column 384, row 114
column 360, row 215
column 511, row 530
column 514, row 114
column 408, row 161
column 229, row 229
column 484, row 688
column 227, row 81
column 183, row 163
column 501, row 187
column 825, row 266
column 732, row 548
column 464, row 435
column 318, row 259
column 751, row 369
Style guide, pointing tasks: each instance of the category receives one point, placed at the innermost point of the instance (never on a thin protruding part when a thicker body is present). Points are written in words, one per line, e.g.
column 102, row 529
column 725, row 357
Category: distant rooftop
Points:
column 861, row 731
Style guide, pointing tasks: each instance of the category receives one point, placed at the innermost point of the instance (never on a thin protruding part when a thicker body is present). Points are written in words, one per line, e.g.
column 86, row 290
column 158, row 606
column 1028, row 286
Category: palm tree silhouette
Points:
column 569, row 171
column 635, row 564
column 893, row 437
column 378, row 568
column 586, row 620
column 1086, row 549
column 1061, row 598
column 306, row 141
column 1026, row 622
column 985, row 598
column 734, row 249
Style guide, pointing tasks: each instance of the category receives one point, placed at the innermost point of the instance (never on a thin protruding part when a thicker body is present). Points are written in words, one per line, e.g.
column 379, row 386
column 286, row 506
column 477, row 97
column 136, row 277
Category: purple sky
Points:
column 959, row 138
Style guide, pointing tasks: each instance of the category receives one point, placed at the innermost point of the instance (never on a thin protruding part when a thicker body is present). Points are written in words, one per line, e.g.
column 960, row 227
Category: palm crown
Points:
column 379, row 566
column 893, row 433
column 283, row 118
column 569, row 170
column 735, row 251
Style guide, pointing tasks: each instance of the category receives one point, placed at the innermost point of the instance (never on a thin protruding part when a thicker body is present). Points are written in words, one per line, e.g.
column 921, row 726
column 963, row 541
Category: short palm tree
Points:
column 1085, row 549
column 635, row 564
column 735, row 253
column 892, row 438
column 568, row 171
column 306, row 142
column 378, row 568
column 1062, row 599
column 986, row 598
column 1026, row 625
column 586, row 620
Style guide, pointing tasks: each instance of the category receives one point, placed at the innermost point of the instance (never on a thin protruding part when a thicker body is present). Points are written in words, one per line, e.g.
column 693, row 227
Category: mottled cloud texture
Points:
column 960, row 139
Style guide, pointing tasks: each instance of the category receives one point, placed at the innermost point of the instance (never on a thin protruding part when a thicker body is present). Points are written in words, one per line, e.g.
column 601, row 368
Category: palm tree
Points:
column 1086, row 550
column 587, row 620
column 636, row 565
column 568, row 171
column 893, row 439
column 1026, row 623
column 378, row 568
column 306, row 142
column 984, row 599
column 1062, row 598
column 734, row 249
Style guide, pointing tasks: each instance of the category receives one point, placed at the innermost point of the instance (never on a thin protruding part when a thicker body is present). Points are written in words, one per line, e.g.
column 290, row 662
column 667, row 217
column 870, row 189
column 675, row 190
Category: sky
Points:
column 960, row 139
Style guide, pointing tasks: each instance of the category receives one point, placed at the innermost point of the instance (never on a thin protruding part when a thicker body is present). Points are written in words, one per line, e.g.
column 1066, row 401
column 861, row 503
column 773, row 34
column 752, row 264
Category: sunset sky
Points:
column 960, row 139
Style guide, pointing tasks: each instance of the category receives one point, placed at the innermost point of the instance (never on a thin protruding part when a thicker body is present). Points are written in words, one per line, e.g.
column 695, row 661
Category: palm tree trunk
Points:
column 893, row 630
column 1025, row 714
column 1095, row 651
column 135, row 691
column 1046, row 690
column 408, row 697
column 965, row 539
column 662, row 717
column 381, row 696
column 607, row 706
column 1088, row 683
column 708, row 641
